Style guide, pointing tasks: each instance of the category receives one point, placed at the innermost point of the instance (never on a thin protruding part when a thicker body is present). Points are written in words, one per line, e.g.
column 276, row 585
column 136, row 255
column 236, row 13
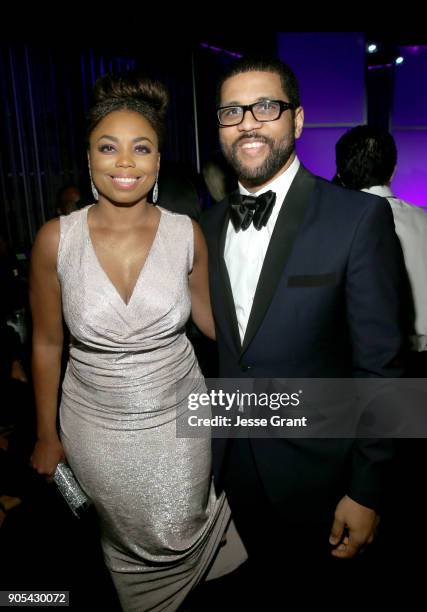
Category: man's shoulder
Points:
column 349, row 201
column 408, row 208
column 410, row 218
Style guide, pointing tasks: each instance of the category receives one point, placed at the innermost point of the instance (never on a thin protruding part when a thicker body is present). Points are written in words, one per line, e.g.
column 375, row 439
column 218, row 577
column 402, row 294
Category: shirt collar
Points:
column 383, row 191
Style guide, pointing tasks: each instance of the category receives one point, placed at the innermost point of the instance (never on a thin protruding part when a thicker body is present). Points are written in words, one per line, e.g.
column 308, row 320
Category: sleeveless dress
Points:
column 130, row 371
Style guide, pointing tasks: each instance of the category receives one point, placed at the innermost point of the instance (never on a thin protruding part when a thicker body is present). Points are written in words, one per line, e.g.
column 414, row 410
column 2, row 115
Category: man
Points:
column 68, row 199
column 366, row 159
column 218, row 176
column 298, row 290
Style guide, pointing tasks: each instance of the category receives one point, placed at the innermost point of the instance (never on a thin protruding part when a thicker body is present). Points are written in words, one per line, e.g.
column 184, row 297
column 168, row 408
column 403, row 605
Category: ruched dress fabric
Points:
column 130, row 371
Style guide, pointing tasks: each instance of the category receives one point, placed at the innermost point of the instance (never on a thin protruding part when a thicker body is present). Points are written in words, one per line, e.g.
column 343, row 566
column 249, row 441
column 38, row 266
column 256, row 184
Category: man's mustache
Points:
column 252, row 138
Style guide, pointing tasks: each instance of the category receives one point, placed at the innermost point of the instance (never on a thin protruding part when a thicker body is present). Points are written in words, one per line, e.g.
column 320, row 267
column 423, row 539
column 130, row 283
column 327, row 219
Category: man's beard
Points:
column 277, row 157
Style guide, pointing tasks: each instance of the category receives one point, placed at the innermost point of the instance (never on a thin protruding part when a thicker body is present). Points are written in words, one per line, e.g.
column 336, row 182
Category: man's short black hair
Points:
column 263, row 64
column 365, row 156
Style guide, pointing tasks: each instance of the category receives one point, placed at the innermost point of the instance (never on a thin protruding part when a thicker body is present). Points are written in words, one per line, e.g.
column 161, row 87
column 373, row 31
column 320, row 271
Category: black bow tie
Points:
column 247, row 209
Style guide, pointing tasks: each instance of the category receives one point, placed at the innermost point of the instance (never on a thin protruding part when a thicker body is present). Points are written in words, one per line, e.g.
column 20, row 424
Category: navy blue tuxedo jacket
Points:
column 327, row 305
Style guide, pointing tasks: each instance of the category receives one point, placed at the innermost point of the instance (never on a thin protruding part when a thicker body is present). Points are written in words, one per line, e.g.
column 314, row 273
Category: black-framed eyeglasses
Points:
column 266, row 110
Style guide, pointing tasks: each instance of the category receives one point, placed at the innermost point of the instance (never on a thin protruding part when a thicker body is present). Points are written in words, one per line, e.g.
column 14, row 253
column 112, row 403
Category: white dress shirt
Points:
column 245, row 250
column 411, row 227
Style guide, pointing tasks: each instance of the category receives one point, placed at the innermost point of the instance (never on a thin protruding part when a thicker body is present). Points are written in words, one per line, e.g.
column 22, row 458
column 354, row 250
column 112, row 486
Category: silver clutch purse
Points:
column 70, row 489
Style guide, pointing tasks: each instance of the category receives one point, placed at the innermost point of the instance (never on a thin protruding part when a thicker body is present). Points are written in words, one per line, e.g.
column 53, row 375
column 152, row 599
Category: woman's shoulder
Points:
column 46, row 243
column 176, row 221
column 74, row 216
column 172, row 214
column 73, row 220
column 48, row 235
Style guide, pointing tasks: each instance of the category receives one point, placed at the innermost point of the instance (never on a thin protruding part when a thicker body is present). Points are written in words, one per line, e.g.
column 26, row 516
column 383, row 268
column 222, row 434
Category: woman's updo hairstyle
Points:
column 129, row 91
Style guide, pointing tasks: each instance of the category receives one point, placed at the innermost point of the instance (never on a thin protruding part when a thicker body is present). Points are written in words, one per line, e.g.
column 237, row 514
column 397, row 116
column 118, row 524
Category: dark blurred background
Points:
column 45, row 88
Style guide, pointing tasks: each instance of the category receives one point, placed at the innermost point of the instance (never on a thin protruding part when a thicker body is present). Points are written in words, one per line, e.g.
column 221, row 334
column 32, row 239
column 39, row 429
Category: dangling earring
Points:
column 92, row 186
column 156, row 190
column 94, row 190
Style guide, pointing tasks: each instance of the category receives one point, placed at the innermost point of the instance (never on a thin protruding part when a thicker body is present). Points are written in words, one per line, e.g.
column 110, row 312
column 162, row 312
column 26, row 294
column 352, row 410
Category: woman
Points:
column 126, row 274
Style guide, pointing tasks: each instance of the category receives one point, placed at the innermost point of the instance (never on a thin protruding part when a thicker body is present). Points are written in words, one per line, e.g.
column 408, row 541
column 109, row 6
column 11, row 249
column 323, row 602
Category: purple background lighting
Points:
column 219, row 50
column 311, row 149
column 330, row 70
column 330, row 67
column 410, row 89
column 410, row 182
column 409, row 126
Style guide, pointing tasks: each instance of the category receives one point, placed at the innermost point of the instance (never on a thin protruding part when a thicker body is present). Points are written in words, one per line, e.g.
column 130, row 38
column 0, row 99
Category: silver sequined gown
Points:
column 130, row 371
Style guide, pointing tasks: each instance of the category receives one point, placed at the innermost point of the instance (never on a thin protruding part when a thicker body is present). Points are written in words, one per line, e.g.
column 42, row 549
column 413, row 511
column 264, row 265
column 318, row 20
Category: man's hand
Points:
column 361, row 523
column 17, row 371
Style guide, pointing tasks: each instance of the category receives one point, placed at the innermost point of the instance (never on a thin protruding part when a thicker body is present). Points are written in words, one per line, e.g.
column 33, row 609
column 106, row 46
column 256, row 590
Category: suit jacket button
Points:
column 245, row 368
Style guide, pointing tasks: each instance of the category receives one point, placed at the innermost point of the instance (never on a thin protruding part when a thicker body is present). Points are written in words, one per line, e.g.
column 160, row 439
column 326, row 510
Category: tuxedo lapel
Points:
column 281, row 243
column 226, row 292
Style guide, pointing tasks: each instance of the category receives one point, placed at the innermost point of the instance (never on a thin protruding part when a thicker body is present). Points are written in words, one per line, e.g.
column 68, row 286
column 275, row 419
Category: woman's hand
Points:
column 201, row 310
column 46, row 455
